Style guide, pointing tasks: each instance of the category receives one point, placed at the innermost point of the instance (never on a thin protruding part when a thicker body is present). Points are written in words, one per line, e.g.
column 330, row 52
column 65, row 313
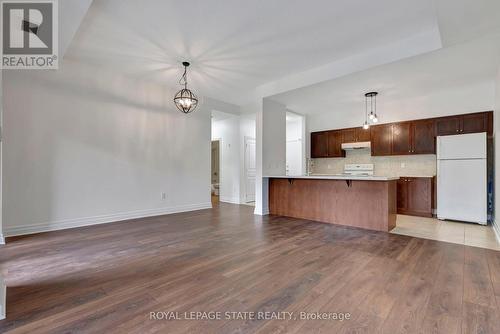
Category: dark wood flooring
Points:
column 108, row 278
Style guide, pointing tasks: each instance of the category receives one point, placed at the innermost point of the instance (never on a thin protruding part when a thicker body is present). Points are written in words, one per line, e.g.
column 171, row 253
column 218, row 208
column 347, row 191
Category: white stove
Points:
column 358, row 170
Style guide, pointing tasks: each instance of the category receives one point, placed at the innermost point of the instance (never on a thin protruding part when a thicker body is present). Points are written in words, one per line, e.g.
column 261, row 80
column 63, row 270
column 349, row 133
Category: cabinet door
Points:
column 334, row 144
column 348, row 135
column 420, row 196
column 381, row 139
column 423, row 137
column 362, row 134
column 474, row 123
column 402, row 195
column 401, row 138
column 319, row 144
column 448, row 126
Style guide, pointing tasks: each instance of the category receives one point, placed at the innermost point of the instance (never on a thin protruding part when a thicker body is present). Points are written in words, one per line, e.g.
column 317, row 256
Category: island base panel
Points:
column 365, row 204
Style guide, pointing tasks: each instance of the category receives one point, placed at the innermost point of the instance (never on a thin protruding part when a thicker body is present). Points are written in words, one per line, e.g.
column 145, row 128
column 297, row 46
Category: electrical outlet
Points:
column 163, row 196
column 403, row 165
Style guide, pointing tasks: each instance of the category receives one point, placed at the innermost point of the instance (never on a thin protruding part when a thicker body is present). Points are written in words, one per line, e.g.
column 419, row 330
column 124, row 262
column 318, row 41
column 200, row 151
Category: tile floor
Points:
column 448, row 231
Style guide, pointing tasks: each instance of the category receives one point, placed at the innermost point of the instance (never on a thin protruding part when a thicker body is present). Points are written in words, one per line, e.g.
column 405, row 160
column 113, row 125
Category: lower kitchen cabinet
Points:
column 415, row 196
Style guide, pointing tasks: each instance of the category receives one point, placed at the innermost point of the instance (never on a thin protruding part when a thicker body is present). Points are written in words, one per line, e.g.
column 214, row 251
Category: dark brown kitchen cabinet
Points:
column 401, row 138
column 415, row 196
column 467, row 123
column 335, row 144
column 349, row 135
column 448, row 125
column 474, row 123
column 363, row 135
column 423, row 137
column 319, row 144
column 354, row 135
column 381, row 139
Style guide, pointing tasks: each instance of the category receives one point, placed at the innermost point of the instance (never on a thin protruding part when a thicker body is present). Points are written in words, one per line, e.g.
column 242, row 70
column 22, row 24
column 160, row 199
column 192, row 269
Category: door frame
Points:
column 245, row 139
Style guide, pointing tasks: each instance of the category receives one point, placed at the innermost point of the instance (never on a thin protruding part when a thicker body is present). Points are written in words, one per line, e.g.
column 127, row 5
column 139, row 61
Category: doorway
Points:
column 250, row 169
column 295, row 144
column 215, row 183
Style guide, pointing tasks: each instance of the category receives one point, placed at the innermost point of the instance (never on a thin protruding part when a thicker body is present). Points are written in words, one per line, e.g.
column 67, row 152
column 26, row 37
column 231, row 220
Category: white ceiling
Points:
column 238, row 45
column 448, row 68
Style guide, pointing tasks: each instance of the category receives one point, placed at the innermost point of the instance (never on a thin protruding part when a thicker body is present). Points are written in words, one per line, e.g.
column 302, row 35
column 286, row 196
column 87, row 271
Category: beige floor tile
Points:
column 447, row 231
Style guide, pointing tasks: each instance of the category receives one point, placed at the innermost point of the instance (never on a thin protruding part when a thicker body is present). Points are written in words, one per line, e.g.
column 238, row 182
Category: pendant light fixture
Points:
column 185, row 100
column 371, row 110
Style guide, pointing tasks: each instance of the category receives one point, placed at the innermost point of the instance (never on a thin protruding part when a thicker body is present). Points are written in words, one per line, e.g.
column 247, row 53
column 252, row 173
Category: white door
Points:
column 250, row 169
column 461, row 190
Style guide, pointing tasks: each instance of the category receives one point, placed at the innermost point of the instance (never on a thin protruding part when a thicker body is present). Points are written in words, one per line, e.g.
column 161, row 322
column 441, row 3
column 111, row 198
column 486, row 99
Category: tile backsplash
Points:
column 409, row 165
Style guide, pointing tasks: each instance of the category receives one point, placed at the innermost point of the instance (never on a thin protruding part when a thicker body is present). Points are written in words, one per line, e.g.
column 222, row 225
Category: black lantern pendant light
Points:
column 185, row 100
column 371, row 111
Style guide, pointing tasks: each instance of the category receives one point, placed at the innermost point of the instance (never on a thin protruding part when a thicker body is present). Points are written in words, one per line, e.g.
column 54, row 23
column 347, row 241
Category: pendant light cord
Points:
column 366, row 109
column 183, row 79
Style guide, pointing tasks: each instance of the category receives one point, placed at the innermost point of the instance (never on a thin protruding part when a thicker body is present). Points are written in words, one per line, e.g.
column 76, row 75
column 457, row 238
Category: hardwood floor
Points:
column 108, row 278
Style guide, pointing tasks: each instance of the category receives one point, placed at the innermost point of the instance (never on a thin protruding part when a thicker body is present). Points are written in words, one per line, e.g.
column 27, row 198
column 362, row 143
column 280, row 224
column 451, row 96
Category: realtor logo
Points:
column 29, row 34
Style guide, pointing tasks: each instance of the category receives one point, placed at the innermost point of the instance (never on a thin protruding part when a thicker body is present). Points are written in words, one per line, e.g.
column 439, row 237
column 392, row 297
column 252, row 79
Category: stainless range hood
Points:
column 363, row 145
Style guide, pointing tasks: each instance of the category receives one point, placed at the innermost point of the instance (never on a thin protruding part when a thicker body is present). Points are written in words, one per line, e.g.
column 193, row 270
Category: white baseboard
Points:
column 264, row 212
column 496, row 228
column 87, row 221
column 232, row 200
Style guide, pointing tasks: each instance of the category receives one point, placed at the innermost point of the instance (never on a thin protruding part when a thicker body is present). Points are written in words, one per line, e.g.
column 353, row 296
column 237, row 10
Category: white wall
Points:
column 2, row 241
column 271, row 149
column 84, row 146
column 496, row 119
column 3, row 288
column 478, row 96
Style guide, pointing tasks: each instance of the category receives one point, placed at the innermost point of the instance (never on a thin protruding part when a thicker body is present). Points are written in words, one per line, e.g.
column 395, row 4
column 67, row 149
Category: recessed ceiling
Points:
column 449, row 68
column 237, row 45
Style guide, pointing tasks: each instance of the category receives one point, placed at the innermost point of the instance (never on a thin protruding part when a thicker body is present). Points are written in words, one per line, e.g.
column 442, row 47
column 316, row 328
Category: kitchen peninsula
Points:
column 367, row 202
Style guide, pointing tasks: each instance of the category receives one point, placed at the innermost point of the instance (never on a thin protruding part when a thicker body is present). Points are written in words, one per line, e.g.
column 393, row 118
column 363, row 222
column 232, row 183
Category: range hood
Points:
column 363, row 145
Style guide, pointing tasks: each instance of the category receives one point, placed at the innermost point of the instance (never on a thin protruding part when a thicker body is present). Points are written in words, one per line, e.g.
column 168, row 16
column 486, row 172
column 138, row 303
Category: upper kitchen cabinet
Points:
column 478, row 122
column 319, row 144
column 363, row 134
column 335, row 144
column 423, row 137
column 353, row 135
column 468, row 123
column 401, row 138
column 349, row 135
column 448, row 125
column 381, row 139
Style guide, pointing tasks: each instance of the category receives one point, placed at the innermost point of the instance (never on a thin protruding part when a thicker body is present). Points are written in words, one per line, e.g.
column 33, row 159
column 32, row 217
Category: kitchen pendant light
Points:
column 372, row 114
column 185, row 100
column 366, row 126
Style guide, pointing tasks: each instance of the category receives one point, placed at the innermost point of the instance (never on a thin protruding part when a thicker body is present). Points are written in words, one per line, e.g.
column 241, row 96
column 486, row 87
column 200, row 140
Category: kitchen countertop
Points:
column 335, row 177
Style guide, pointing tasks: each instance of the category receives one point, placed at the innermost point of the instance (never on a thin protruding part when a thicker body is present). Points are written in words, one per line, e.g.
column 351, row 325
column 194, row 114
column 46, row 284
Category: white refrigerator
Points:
column 462, row 178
